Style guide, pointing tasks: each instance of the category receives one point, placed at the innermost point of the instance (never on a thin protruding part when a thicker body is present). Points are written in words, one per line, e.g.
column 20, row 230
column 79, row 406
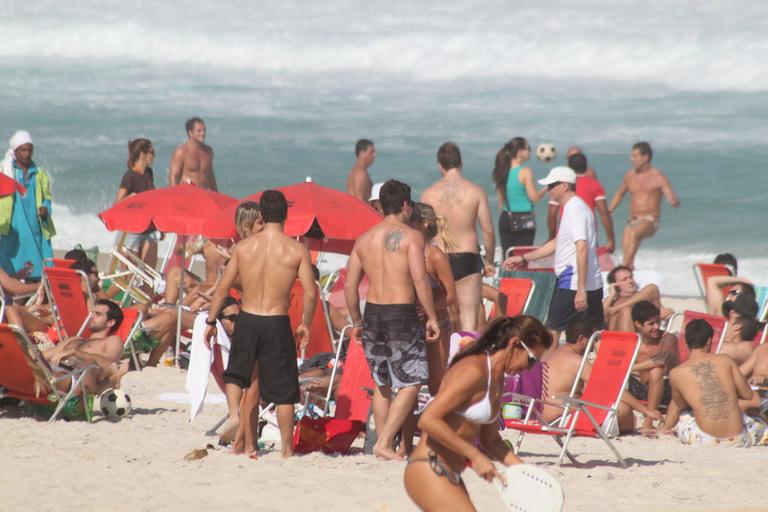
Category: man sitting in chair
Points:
column 711, row 386
column 658, row 353
column 624, row 293
column 103, row 348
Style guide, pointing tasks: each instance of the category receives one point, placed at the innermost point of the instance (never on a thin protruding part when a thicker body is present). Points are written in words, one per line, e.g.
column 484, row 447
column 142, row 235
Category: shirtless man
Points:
column 192, row 162
column 711, row 385
column 756, row 370
column 391, row 254
column 263, row 353
column 738, row 339
column 463, row 204
column 103, row 348
column 359, row 182
column 625, row 293
column 658, row 353
column 645, row 184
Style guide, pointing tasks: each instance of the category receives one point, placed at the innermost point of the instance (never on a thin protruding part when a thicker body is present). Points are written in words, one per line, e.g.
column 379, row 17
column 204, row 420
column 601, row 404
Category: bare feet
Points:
column 287, row 452
column 122, row 369
column 230, row 431
column 386, row 453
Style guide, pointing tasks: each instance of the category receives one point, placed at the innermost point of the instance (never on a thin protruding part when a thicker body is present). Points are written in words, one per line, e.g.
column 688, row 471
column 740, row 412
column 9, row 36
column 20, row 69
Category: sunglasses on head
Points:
column 734, row 292
column 532, row 359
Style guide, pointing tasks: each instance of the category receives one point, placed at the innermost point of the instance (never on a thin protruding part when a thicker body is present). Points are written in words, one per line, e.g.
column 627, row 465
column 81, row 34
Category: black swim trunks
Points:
column 465, row 264
column 639, row 390
column 269, row 341
column 394, row 344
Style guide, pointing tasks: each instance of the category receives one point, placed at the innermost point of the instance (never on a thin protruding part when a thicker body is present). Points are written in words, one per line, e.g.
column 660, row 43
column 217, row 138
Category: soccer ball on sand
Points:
column 546, row 152
column 115, row 403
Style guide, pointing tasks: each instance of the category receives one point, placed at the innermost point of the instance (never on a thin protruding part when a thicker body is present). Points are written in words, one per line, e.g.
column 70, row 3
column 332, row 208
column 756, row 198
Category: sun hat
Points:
column 375, row 192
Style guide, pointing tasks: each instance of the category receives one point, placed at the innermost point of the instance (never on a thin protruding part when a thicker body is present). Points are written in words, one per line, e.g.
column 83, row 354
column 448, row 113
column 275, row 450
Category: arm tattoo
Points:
column 392, row 240
column 714, row 400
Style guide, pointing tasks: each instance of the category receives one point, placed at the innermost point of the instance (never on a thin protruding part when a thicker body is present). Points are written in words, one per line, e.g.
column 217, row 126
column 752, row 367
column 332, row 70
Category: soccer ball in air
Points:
column 115, row 403
column 546, row 152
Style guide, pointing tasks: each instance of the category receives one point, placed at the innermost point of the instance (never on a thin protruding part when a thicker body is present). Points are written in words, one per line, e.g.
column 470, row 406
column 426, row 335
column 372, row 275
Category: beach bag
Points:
column 330, row 435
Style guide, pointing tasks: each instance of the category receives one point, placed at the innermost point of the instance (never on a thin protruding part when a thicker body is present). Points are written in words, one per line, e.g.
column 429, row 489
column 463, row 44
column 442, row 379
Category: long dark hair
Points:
column 496, row 337
column 135, row 148
column 504, row 159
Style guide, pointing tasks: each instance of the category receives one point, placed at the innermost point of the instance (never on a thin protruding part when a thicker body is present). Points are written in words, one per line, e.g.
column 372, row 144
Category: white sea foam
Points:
column 685, row 44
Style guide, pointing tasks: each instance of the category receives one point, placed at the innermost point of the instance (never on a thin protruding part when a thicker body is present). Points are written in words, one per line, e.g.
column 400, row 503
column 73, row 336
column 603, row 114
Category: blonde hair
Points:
column 436, row 224
column 246, row 215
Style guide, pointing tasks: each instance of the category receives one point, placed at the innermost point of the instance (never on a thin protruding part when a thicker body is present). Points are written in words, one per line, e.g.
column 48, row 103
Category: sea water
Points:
column 286, row 88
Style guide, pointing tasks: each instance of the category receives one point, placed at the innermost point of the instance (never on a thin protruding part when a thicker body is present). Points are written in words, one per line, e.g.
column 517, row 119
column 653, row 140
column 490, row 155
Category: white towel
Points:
column 19, row 139
column 200, row 360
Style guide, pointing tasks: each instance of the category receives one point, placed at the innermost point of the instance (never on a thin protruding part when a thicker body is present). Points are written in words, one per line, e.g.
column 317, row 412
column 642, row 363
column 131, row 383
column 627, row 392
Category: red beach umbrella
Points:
column 182, row 209
column 314, row 211
column 9, row 186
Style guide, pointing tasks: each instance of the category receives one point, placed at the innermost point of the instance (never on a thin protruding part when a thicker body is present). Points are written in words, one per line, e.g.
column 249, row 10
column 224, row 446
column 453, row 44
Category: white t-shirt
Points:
column 577, row 223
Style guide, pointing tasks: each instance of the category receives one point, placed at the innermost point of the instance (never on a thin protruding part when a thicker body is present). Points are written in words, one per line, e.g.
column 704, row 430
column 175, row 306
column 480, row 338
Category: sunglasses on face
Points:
column 532, row 359
column 552, row 185
column 231, row 317
column 734, row 292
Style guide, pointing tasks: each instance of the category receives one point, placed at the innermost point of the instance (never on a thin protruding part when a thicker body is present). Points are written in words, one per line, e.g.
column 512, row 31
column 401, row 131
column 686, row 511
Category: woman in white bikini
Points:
column 466, row 410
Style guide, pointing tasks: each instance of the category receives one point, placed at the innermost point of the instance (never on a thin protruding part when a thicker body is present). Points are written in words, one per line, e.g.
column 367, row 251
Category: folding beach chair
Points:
column 595, row 413
column 132, row 318
column 718, row 323
column 518, row 291
column 26, row 375
column 65, row 288
column 703, row 271
column 59, row 262
column 320, row 339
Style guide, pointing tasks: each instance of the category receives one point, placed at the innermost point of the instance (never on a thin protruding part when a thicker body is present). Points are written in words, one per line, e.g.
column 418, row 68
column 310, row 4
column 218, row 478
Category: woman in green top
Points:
column 516, row 192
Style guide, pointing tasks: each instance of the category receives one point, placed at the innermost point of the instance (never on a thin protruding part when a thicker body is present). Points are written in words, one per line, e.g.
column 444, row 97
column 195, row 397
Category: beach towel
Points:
column 200, row 360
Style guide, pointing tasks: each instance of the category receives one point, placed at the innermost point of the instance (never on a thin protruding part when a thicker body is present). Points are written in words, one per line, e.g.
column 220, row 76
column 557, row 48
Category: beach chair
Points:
column 320, row 338
column 65, row 288
column 58, row 262
column 26, row 375
column 518, row 291
column 132, row 318
column 718, row 323
column 703, row 271
column 595, row 413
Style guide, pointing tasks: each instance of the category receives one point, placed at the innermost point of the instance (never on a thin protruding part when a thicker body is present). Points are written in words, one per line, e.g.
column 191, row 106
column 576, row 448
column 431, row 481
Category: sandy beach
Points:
column 138, row 463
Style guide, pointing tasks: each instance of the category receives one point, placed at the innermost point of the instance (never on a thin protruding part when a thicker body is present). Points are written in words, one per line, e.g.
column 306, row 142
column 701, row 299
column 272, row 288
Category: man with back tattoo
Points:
column 391, row 254
column 463, row 205
column 711, row 386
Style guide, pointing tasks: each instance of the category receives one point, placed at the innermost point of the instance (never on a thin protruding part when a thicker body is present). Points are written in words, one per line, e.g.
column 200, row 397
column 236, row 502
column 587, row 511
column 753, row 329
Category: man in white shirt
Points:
column 579, row 284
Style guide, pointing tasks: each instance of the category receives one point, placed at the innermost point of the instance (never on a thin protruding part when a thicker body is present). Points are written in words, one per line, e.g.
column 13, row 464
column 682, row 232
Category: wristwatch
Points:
column 210, row 322
column 525, row 260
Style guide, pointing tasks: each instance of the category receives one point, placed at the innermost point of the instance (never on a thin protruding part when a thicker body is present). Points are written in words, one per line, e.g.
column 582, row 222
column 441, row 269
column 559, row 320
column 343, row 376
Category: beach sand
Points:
column 137, row 464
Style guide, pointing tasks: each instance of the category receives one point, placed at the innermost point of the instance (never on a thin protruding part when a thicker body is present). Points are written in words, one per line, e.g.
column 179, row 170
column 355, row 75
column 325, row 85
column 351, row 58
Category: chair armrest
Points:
column 579, row 402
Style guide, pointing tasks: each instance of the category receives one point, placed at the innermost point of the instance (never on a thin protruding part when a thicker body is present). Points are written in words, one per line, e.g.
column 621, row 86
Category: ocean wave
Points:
column 708, row 48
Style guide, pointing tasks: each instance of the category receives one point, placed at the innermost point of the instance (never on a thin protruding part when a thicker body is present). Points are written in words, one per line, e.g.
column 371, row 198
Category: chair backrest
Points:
column 64, row 287
column 717, row 323
column 703, row 271
column 518, row 291
column 60, row 262
column 319, row 340
column 609, row 376
column 131, row 321
column 24, row 373
column 352, row 401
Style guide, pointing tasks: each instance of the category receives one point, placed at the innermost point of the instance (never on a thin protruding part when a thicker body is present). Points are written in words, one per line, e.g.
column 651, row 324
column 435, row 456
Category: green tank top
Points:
column 517, row 198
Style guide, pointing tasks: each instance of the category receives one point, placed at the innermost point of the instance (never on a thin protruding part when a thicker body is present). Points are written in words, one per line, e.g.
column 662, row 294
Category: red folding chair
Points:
column 67, row 290
column 595, row 413
column 718, row 324
column 518, row 291
column 26, row 375
column 703, row 271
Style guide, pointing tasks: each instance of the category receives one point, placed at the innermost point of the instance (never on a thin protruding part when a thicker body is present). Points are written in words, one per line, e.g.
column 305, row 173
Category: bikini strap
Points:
column 488, row 390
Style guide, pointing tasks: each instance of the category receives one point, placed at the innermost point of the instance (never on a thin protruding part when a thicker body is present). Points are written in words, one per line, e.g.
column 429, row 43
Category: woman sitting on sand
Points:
column 467, row 410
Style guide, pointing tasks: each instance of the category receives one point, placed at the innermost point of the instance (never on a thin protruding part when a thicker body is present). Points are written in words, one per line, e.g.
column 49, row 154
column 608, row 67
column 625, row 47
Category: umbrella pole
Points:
column 181, row 300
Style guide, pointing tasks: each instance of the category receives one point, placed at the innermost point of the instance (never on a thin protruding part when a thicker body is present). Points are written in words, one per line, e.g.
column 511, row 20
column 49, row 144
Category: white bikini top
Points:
column 480, row 412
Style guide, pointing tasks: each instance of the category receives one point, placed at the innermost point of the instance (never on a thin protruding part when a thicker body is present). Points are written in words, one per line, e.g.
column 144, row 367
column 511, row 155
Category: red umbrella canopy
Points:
column 9, row 186
column 339, row 215
column 182, row 209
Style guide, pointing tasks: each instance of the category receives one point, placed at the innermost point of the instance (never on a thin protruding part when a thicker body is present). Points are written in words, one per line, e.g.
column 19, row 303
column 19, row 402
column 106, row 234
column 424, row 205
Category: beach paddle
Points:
column 530, row 489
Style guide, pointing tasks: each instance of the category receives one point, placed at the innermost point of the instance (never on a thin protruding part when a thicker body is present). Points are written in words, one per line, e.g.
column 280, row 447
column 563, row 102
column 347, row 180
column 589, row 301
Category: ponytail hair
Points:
column 501, row 330
column 136, row 147
column 504, row 157
column 246, row 215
